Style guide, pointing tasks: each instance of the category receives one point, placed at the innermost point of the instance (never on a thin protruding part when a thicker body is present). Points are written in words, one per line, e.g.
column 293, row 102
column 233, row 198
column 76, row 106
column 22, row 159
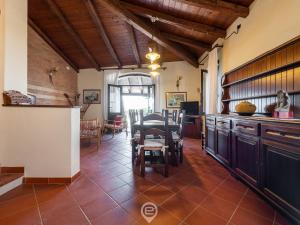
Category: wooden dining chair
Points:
column 174, row 115
column 154, row 152
column 177, row 137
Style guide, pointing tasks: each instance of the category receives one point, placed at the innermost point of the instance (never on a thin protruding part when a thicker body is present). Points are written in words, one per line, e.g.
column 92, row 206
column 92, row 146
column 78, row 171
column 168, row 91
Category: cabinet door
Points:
column 246, row 157
column 281, row 174
column 223, row 146
column 210, row 139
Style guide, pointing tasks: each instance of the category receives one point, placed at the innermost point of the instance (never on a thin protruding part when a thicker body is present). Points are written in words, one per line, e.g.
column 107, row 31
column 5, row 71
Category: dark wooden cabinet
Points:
column 245, row 157
column 223, row 140
column 223, row 146
column 210, row 130
column 245, row 150
column 280, row 166
column 265, row 154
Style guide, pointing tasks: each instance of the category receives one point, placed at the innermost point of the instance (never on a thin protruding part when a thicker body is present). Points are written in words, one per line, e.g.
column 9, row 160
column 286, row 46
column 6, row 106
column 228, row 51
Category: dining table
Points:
column 172, row 126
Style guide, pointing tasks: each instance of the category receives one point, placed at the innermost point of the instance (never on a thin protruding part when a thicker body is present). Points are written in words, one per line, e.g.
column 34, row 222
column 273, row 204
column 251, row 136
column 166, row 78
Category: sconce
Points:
column 179, row 78
column 51, row 73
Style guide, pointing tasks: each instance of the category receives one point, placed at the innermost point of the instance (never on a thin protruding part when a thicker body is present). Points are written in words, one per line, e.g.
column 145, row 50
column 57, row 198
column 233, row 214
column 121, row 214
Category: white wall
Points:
column 43, row 140
column 269, row 24
column 191, row 83
column 2, row 129
column 15, row 44
column 91, row 79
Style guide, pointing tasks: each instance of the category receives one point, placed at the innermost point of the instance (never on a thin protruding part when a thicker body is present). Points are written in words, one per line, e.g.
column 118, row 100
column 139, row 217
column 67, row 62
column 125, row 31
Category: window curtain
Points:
column 156, row 81
column 110, row 77
column 212, row 82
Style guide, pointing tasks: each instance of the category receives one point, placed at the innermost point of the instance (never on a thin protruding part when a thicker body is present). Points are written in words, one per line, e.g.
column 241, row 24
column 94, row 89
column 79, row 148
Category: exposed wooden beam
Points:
column 69, row 28
column 189, row 42
column 134, row 46
column 219, row 5
column 115, row 7
column 101, row 30
column 52, row 44
column 175, row 21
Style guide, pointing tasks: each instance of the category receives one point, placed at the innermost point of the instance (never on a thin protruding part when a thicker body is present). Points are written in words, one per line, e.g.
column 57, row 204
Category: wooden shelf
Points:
column 257, row 96
column 276, row 70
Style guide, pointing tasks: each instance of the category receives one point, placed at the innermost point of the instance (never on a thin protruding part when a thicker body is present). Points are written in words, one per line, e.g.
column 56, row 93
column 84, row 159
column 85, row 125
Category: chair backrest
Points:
column 118, row 120
column 181, row 119
column 155, row 132
column 174, row 115
column 90, row 125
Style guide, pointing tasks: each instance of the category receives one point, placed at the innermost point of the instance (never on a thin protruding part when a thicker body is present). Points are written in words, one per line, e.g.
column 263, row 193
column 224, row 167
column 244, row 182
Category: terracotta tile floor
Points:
column 110, row 191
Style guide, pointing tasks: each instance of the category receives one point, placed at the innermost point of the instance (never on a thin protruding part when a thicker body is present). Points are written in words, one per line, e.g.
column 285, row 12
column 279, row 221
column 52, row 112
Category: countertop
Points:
column 260, row 118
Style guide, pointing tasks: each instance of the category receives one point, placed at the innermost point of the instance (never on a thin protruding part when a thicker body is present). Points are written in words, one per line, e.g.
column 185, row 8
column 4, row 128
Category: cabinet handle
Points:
column 221, row 122
column 281, row 134
column 245, row 127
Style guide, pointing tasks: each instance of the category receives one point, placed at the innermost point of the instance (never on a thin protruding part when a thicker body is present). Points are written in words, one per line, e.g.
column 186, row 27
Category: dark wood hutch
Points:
column 262, row 151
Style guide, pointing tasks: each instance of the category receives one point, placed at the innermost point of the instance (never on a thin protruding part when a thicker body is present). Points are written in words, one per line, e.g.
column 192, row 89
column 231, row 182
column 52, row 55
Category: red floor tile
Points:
column 110, row 191
column 158, row 194
column 204, row 217
column 245, row 217
column 258, row 206
column 219, row 207
column 179, row 207
column 114, row 217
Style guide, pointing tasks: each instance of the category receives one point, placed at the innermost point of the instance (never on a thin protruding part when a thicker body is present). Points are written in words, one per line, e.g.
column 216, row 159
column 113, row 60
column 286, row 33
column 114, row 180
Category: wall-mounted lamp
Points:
column 51, row 73
column 179, row 78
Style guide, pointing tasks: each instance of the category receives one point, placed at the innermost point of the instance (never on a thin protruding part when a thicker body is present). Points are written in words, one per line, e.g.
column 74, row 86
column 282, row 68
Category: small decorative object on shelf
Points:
column 245, row 108
column 282, row 109
column 15, row 98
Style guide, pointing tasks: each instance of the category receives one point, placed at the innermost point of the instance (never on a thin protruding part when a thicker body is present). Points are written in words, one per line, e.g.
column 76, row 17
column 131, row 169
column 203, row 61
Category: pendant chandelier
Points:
column 153, row 54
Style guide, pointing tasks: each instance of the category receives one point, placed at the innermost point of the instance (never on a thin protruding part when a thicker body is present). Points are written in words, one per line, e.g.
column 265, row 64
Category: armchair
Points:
column 90, row 129
column 116, row 125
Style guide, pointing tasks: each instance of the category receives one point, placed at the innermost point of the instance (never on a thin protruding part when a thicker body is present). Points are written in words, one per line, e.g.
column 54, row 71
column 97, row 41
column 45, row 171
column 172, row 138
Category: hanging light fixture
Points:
column 153, row 66
column 153, row 54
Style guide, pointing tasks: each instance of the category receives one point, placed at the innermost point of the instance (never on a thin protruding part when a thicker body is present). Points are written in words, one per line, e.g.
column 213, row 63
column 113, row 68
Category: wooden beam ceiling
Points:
column 52, row 44
column 68, row 27
column 115, row 7
column 188, row 42
column 219, row 5
column 175, row 21
column 133, row 44
column 101, row 30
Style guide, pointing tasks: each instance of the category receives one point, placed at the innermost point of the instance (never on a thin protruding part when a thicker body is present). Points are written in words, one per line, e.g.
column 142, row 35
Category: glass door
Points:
column 114, row 101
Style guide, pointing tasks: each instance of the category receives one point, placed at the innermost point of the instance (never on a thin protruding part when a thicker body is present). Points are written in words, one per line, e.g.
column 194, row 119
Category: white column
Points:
column 211, row 82
column 14, row 38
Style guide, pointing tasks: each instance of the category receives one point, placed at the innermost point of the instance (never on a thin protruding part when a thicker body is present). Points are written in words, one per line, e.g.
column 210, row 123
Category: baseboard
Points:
column 6, row 169
column 50, row 180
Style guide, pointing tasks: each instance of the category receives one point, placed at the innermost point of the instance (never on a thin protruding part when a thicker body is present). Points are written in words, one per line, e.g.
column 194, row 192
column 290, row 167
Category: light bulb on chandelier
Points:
column 154, row 66
column 154, row 73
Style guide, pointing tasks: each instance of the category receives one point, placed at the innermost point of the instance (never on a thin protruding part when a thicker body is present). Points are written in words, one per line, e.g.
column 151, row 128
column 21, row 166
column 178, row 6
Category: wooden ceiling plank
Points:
column 220, row 5
column 175, row 21
column 101, row 30
column 133, row 44
column 189, row 42
column 52, row 44
column 115, row 7
column 69, row 28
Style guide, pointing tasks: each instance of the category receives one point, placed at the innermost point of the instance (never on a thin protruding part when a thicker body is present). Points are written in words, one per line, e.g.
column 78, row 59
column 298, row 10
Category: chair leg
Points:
column 166, row 163
column 181, row 153
column 142, row 164
column 98, row 142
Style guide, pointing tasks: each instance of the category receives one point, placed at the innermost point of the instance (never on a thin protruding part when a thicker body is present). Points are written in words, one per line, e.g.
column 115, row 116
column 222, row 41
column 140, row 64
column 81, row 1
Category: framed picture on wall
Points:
column 91, row 96
column 173, row 99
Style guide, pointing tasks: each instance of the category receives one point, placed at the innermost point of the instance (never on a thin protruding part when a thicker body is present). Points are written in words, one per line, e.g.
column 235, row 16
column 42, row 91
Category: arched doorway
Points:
column 131, row 91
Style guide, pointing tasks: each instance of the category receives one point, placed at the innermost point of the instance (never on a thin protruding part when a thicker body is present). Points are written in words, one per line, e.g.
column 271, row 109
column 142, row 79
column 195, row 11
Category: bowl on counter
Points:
column 245, row 108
